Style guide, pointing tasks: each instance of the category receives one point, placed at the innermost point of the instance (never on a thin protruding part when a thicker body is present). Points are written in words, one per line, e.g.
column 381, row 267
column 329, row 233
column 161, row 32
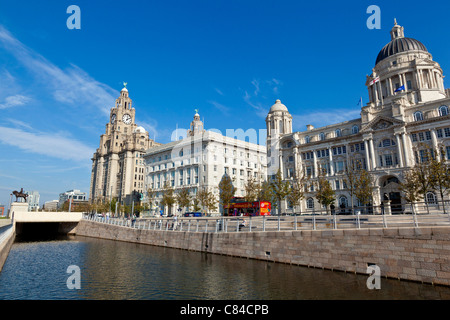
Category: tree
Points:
column 196, row 204
column 183, row 198
column 410, row 187
column 352, row 171
column 251, row 188
column 226, row 191
column 265, row 192
column 439, row 172
column 422, row 171
column 206, row 199
column 168, row 198
column 325, row 194
column 297, row 193
column 280, row 189
column 151, row 195
column 364, row 187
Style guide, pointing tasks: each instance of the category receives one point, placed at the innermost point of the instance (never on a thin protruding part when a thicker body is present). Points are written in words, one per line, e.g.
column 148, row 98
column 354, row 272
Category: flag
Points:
column 400, row 88
column 375, row 80
column 360, row 102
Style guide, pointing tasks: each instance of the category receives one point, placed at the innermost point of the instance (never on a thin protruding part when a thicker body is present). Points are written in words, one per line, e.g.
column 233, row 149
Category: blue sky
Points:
column 229, row 59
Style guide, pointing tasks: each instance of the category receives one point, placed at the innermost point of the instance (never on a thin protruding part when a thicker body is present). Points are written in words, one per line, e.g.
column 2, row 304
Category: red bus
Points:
column 255, row 208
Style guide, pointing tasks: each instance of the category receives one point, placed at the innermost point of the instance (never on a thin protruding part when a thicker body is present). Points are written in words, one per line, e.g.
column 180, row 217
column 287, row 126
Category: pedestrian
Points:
column 174, row 227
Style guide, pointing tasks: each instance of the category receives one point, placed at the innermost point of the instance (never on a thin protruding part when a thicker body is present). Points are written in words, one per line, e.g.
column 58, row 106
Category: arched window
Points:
column 355, row 129
column 307, row 139
column 338, row 133
column 418, row 116
column 343, row 201
column 310, row 203
column 443, row 111
column 431, row 198
column 322, row 136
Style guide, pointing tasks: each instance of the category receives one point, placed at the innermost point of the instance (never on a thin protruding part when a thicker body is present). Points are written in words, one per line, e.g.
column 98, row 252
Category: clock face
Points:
column 126, row 118
column 113, row 118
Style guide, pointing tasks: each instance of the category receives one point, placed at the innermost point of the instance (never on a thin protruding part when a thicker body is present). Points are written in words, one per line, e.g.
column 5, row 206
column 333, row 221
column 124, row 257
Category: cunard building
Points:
column 118, row 164
column 407, row 114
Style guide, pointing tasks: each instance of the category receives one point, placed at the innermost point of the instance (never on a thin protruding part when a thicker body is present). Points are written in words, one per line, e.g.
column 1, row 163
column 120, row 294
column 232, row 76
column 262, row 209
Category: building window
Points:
column 388, row 160
column 343, row 202
column 418, row 116
column 355, row 129
column 431, row 198
column 338, row 133
column 322, row 136
column 443, row 111
column 307, row 139
column 310, row 203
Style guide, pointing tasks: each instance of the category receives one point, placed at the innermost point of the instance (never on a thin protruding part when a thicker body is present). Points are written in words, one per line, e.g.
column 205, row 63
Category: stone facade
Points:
column 407, row 115
column 118, row 165
column 199, row 160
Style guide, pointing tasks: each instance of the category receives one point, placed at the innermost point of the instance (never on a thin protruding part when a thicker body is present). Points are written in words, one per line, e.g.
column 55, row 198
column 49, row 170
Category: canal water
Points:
column 38, row 270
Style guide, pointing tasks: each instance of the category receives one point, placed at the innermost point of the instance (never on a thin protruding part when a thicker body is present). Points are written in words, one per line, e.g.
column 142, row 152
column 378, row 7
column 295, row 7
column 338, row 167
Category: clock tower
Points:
column 118, row 164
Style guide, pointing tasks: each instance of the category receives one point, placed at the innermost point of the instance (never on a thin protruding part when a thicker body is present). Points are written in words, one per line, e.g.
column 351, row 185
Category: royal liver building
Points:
column 118, row 163
column 407, row 114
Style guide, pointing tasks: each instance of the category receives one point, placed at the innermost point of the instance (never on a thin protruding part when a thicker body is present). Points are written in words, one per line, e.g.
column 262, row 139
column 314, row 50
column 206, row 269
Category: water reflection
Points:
column 118, row 270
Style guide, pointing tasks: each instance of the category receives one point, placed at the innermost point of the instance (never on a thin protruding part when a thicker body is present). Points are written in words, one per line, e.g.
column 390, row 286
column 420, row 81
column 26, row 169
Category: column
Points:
column 366, row 148
column 372, row 151
column 405, row 149
column 330, row 150
column 281, row 166
column 399, row 149
column 297, row 166
column 435, row 144
column 391, row 91
column 315, row 163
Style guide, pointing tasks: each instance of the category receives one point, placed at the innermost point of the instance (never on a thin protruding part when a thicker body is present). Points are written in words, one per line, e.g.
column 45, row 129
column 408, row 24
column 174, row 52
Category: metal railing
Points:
column 276, row 223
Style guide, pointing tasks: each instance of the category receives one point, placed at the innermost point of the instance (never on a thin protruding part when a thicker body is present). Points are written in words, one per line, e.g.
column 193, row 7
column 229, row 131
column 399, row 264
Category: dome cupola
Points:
column 399, row 44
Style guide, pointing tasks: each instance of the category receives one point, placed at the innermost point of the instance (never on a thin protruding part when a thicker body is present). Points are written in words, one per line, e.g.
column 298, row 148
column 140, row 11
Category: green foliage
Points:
column 183, row 198
column 364, row 187
column 325, row 194
column 297, row 193
column 226, row 190
column 280, row 189
column 168, row 198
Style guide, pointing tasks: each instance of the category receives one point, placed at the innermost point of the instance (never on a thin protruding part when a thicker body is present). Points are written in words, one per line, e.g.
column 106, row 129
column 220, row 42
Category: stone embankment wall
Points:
column 417, row 254
column 7, row 236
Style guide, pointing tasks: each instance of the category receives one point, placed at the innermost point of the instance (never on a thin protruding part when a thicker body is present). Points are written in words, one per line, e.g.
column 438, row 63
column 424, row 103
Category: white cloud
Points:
column 224, row 109
column 71, row 86
column 324, row 118
column 14, row 101
column 219, row 91
column 49, row 144
column 258, row 99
